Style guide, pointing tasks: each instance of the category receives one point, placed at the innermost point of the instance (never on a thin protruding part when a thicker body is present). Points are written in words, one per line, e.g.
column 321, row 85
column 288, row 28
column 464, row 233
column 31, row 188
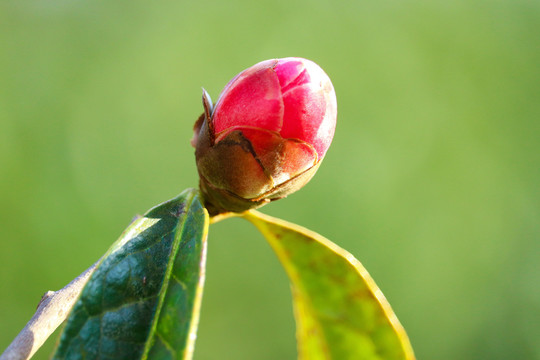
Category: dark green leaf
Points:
column 340, row 313
column 143, row 300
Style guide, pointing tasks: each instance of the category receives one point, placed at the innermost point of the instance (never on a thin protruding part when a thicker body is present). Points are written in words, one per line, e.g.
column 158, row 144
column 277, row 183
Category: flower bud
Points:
column 266, row 135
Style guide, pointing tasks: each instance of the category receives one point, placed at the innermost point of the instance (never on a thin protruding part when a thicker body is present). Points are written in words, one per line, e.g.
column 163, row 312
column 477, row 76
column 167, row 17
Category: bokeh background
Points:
column 432, row 180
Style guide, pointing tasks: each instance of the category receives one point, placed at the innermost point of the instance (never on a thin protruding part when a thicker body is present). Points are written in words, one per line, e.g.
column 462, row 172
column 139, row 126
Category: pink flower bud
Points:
column 266, row 135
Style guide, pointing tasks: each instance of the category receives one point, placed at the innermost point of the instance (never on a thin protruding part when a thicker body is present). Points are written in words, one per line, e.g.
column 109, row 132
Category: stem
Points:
column 52, row 310
column 217, row 218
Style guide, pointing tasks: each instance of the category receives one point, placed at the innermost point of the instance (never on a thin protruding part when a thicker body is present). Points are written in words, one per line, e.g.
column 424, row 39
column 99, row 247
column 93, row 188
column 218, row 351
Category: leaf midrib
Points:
column 163, row 291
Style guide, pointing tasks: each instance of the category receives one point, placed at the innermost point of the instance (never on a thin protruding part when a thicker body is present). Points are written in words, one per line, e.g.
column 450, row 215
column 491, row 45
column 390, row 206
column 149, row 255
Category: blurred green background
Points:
column 432, row 180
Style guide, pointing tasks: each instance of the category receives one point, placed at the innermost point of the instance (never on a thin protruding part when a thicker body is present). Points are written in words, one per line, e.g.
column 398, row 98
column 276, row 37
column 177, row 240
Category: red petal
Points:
column 291, row 73
column 303, row 116
column 253, row 99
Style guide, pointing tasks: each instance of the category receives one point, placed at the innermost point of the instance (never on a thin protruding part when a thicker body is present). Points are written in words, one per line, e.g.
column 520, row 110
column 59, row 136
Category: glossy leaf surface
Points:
column 340, row 312
column 143, row 300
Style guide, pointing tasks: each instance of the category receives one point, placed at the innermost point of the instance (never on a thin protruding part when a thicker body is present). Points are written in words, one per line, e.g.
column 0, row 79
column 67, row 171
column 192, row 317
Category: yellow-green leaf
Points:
column 340, row 312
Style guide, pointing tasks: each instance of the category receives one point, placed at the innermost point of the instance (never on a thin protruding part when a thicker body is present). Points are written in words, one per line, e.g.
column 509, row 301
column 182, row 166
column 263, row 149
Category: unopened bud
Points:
column 266, row 135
